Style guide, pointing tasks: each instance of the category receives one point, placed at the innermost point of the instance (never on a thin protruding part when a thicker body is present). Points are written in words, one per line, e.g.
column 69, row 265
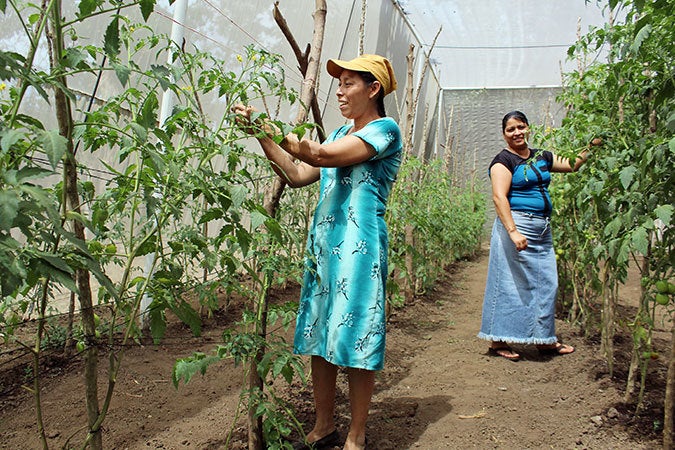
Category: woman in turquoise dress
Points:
column 341, row 318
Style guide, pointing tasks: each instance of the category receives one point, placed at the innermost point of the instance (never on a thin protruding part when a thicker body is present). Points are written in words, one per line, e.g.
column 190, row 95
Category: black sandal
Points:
column 559, row 349
column 328, row 441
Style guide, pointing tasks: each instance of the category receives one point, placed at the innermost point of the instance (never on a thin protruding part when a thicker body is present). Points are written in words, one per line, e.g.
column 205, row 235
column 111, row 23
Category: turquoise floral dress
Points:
column 341, row 314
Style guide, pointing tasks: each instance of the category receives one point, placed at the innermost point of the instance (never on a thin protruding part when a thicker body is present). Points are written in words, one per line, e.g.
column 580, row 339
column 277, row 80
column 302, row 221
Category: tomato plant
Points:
column 618, row 209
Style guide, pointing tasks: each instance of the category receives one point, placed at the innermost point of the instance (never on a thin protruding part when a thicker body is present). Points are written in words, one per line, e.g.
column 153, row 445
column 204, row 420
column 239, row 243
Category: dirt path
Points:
column 439, row 390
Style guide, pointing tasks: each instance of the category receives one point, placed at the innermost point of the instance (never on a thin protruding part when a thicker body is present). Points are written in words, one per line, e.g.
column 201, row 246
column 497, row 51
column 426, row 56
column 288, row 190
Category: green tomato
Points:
column 97, row 319
column 662, row 286
column 662, row 299
column 671, row 288
column 80, row 346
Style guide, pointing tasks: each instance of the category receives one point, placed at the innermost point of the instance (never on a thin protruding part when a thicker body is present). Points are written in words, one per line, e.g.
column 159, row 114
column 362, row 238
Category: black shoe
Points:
column 329, row 441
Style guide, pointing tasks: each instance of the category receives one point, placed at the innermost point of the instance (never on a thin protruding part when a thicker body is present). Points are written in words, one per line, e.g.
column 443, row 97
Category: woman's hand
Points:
column 243, row 118
column 518, row 239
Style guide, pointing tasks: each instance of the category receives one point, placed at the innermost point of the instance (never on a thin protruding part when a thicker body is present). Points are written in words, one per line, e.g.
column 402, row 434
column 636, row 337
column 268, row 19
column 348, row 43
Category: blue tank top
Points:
column 529, row 180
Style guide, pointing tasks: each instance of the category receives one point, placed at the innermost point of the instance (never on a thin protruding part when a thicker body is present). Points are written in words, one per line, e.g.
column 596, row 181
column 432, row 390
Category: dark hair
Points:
column 368, row 78
column 514, row 115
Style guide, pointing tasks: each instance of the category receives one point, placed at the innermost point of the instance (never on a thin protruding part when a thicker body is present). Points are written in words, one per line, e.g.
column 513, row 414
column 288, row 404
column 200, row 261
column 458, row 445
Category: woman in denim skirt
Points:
column 522, row 280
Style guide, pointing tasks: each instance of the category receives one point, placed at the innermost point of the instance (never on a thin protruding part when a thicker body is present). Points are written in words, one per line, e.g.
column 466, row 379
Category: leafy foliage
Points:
column 618, row 209
column 447, row 223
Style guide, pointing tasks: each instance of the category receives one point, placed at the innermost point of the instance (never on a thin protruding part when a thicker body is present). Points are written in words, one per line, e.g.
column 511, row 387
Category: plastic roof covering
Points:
column 499, row 43
column 224, row 28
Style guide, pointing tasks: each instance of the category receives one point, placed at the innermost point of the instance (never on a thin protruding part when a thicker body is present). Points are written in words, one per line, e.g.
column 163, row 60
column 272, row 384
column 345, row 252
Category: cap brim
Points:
column 335, row 67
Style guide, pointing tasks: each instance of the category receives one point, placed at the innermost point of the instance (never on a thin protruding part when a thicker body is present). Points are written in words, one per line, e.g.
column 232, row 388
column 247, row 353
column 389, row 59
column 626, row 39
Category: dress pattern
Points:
column 341, row 314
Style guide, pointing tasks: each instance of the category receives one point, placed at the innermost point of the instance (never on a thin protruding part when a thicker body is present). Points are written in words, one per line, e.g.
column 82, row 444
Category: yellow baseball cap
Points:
column 379, row 66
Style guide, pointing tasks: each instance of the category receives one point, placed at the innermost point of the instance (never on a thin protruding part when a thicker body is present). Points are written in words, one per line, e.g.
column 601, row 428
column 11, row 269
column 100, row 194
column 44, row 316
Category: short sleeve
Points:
column 384, row 135
column 548, row 157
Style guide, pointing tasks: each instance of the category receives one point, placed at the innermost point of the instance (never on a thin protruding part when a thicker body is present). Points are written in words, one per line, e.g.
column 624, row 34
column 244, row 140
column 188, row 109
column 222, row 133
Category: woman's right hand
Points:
column 518, row 239
column 243, row 117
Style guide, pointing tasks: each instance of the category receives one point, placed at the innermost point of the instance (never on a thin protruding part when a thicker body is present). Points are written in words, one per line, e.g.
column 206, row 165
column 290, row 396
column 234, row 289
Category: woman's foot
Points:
column 349, row 445
column 503, row 350
column 556, row 349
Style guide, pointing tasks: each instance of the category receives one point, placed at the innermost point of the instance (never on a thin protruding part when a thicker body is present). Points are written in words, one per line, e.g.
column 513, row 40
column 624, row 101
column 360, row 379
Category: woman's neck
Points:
column 362, row 121
column 523, row 152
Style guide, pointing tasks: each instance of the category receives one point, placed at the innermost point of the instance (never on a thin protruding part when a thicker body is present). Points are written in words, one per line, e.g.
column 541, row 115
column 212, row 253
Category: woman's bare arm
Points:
column 500, row 177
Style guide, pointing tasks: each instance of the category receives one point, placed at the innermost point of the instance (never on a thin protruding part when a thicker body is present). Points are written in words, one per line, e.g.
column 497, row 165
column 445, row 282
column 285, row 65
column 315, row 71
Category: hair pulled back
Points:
column 514, row 115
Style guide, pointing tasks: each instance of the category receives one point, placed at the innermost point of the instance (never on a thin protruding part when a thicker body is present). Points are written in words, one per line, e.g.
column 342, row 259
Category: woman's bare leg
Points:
column 324, row 375
column 361, row 387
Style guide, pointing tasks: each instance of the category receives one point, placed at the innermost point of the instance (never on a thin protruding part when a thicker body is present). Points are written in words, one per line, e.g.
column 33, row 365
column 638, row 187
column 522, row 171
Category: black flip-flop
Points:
column 328, row 441
column 556, row 351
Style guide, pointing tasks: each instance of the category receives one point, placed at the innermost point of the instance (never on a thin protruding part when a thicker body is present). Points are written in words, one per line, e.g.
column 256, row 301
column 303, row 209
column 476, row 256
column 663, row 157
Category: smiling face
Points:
column 516, row 133
column 355, row 95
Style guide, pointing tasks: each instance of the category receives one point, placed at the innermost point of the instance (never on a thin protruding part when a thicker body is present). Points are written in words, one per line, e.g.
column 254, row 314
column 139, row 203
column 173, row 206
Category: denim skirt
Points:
column 521, row 287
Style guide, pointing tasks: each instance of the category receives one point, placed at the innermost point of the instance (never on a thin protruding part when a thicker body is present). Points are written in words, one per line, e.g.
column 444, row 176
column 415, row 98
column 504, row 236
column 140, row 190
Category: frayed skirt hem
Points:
column 515, row 340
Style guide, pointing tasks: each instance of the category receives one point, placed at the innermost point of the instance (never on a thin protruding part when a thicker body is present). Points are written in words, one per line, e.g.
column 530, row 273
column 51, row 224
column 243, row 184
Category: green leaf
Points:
column 54, row 146
column 76, row 58
column 26, row 174
column 257, row 219
column 87, row 7
column 147, row 6
column 188, row 316
column 148, row 246
column 640, row 37
column 9, row 208
column 122, row 73
column 665, row 213
column 57, row 262
column 11, row 137
column 626, row 176
column 184, row 369
column 72, row 215
column 244, row 239
column 163, row 75
column 111, row 38
column 211, row 214
column 64, row 279
column 3, row 5
column 238, row 194
column 613, row 227
column 274, row 229
column 139, row 131
column 640, row 241
column 94, row 267
column 157, row 322
column 148, row 115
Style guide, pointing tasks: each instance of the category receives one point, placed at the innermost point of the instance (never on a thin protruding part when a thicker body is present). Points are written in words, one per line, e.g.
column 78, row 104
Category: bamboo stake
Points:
column 362, row 27
column 309, row 66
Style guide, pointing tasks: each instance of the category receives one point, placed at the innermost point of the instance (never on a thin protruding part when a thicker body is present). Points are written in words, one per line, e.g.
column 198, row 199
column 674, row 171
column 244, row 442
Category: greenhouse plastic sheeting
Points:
column 497, row 43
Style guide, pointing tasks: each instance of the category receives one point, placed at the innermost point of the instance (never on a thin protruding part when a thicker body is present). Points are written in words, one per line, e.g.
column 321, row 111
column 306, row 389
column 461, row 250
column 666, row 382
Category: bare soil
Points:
column 439, row 389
